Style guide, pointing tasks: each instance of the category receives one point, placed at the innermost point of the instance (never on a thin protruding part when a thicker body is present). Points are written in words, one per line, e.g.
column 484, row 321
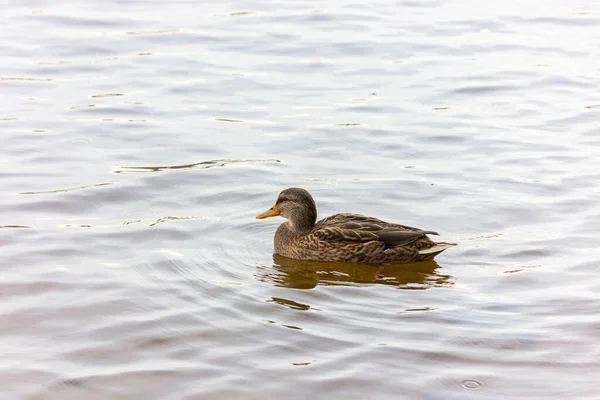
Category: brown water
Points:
column 139, row 140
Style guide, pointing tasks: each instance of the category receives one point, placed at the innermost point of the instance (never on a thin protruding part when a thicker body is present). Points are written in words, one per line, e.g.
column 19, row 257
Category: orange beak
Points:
column 271, row 212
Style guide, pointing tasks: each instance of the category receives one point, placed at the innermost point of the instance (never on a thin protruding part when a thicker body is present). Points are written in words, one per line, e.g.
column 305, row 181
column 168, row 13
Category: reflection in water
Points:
column 294, row 305
column 298, row 274
column 68, row 189
column 198, row 165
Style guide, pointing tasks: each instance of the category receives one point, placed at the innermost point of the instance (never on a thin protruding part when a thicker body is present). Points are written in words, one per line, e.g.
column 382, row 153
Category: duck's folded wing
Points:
column 390, row 237
column 395, row 237
column 364, row 223
column 337, row 234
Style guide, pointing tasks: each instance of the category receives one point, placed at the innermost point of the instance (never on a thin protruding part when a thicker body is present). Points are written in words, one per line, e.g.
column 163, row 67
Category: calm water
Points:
column 140, row 139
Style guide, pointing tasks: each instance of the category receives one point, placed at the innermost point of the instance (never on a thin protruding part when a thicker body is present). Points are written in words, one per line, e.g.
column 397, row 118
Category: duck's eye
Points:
column 283, row 199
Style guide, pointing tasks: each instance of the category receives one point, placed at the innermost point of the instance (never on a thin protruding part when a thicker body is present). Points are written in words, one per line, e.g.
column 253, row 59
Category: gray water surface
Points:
column 140, row 139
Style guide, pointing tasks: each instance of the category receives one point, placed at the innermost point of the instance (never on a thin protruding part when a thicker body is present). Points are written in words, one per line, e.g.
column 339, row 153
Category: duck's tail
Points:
column 437, row 248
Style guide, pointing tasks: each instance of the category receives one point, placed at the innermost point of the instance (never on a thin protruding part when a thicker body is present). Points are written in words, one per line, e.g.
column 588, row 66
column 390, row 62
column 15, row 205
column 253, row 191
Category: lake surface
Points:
column 140, row 139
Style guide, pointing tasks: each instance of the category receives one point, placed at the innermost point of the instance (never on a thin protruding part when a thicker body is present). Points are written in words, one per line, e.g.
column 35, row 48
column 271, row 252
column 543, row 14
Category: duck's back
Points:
column 360, row 222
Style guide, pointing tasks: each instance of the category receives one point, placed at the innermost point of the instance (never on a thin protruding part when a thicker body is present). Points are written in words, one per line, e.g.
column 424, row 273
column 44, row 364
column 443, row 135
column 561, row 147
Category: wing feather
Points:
column 356, row 228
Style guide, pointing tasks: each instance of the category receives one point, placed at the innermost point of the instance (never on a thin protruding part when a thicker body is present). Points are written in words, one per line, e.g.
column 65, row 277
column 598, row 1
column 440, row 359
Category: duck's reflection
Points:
column 297, row 274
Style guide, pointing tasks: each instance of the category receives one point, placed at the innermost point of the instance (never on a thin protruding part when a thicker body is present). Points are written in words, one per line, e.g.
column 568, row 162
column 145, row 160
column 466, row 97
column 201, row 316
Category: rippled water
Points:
column 140, row 139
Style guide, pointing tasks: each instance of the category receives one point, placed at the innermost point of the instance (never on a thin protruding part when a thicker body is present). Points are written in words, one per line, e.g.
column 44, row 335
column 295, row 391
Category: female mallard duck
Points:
column 345, row 237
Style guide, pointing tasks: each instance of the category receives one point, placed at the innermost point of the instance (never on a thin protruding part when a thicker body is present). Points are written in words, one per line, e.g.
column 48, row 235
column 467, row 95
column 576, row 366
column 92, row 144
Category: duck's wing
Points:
column 361, row 228
column 338, row 234
column 395, row 237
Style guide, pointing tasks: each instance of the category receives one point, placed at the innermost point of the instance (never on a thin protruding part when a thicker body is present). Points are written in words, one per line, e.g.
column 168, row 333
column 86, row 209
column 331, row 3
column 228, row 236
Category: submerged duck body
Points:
column 345, row 237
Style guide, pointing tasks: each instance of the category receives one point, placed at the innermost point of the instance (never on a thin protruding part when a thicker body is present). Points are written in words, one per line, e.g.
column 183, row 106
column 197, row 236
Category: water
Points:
column 139, row 140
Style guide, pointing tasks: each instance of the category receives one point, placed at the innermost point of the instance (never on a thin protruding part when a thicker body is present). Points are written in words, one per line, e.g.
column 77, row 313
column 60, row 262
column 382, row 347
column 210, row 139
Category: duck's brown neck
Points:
column 302, row 223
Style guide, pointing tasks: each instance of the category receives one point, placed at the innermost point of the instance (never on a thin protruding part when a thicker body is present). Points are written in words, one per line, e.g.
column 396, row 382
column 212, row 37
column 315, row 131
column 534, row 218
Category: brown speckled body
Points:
column 315, row 246
column 346, row 237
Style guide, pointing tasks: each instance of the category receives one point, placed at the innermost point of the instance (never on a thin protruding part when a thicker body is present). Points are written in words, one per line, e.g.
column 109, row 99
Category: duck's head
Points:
column 297, row 206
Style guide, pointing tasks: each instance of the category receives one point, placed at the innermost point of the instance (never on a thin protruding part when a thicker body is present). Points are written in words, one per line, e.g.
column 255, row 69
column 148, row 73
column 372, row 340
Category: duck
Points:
column 351, row 238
